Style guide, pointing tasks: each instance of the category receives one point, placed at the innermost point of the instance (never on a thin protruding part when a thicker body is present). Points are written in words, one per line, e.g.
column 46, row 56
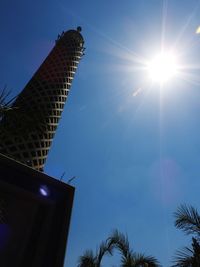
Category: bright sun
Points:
column 162, row 67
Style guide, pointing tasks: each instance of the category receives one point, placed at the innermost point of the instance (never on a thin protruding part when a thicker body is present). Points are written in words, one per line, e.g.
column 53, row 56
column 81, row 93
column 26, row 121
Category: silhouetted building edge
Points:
column 37, row 216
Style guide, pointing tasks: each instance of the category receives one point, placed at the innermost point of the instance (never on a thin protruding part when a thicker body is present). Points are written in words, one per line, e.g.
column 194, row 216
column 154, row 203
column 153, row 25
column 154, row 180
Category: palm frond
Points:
column 146, row 261
column 139, row 260
column 120, row 241
column 188, row 256
column 105, row 248
column 3, row 95
column 188, row 219
column 183, row 258
column 87, row 259
column 5, row 102
column 196, row 252
column 128, row 258
column 90, row 260
column 127, row 261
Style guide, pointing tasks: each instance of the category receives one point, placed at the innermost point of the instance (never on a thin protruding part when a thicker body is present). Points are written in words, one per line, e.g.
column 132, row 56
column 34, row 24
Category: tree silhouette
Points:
column 128, row 257
column 188, row 220
column 120, row 242
column 5, row 103
column 88, row 259
column 188, row 256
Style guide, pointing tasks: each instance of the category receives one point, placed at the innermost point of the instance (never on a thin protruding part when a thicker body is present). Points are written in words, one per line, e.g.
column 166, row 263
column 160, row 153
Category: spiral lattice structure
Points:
column 27, row 130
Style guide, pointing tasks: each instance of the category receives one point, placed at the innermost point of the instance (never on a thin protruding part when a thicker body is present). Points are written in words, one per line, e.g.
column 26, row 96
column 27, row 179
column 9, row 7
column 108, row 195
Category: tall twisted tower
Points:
column 27, row 131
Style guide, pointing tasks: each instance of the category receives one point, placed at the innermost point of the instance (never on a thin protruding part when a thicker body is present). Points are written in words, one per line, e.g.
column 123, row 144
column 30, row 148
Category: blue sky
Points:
column 135, row 158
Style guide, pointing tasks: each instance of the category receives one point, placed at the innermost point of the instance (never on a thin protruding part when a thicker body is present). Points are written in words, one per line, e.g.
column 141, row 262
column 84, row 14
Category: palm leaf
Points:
column 5, row 103
column 183, row 258
column 105, row 248
column 128, row 258
column 120, row 241
column 147, row 261
column 87, row 259
column 188, row 256
column 127, row 261
column 188, row 219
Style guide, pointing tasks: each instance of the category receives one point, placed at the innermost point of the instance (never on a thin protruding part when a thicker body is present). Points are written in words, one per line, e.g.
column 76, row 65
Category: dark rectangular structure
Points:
column 35, row 212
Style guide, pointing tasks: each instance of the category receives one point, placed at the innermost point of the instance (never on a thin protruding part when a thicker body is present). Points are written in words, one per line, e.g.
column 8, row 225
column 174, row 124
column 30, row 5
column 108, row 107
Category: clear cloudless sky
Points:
column 136, row 159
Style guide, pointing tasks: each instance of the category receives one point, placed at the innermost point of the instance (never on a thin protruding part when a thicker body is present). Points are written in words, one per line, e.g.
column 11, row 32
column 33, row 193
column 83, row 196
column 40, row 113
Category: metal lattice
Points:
column 26, row 133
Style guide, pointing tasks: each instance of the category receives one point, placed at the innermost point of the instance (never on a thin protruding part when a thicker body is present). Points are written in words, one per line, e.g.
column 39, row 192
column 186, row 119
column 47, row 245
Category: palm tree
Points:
column 188, row 220
column 188, row 257
column 128, row 257
column 89, row 259
column 120, row 242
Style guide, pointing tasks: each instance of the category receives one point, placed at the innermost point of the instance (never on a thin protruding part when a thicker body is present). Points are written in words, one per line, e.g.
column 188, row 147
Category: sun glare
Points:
column 163, row 67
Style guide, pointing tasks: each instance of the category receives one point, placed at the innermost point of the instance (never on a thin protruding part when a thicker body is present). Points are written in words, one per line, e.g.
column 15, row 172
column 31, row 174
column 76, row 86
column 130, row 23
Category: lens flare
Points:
column 44, row 191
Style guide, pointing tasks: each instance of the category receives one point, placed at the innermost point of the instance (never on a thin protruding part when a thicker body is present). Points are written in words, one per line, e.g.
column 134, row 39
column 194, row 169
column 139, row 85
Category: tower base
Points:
column 35, row 212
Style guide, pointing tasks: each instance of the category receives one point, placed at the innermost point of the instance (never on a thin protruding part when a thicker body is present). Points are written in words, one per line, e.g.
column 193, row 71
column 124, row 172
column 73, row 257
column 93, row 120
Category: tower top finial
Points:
column 79, row 29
